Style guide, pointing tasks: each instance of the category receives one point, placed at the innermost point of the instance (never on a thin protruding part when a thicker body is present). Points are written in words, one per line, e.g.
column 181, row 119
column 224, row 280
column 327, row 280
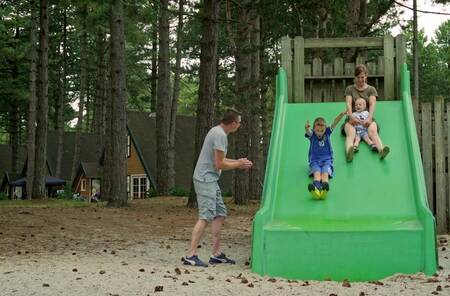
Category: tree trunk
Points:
column 61, row 98
column 356, row 24
column 14, row 117
column 83, row 90
column 207, row 78
column 39, row 190
column 117, row 166
column 31, row 128
column 154, row 75
column 163, row 105
column 243, row 95
column 175, row 95
column 254, row 120
column 99, row 99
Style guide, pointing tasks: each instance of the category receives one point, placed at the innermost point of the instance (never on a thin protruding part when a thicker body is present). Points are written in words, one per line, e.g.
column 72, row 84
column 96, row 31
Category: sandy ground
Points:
column 137, row 251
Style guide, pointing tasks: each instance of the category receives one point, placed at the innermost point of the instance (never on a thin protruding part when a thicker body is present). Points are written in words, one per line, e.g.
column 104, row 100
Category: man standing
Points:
column 211, row 208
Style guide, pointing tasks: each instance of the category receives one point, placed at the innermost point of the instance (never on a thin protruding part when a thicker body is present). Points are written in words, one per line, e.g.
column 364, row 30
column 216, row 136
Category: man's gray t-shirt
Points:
column 205, row 170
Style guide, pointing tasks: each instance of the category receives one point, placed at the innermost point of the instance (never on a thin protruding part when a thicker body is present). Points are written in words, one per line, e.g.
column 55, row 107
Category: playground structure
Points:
column 375, row 221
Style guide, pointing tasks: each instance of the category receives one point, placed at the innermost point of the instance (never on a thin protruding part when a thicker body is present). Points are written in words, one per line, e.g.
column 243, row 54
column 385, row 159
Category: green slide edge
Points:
column 265, row 213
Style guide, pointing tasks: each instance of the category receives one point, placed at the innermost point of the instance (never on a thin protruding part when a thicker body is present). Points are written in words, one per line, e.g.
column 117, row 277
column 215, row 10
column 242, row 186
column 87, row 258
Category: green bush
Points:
column 227, row 194
column 151, row 193
column 66, row 194
column 176, row 191
column 3, row 196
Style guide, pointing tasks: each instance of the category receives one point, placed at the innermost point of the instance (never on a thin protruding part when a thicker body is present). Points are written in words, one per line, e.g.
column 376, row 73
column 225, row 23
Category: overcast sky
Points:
column 429, row 22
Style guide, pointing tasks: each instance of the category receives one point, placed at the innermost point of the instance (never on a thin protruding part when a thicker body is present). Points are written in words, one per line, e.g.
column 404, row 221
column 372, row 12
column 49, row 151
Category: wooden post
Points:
column 389, row 78
column 309, row 85
column 400, row 59
column 286, row 62
column 416, row 106
column 299, row 71
column 427, row 152
column 448, row 163
column 441, row 196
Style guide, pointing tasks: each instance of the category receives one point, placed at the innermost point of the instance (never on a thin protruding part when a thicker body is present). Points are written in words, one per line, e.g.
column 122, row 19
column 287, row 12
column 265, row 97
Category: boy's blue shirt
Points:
column 320, row 149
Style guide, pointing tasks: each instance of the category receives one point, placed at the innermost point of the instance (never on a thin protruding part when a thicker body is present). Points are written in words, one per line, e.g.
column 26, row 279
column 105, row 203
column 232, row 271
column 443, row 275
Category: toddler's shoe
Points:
column 384, row 152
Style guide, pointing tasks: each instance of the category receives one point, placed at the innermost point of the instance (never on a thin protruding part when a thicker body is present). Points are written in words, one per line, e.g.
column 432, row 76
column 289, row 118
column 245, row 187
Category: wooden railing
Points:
column 324, row 81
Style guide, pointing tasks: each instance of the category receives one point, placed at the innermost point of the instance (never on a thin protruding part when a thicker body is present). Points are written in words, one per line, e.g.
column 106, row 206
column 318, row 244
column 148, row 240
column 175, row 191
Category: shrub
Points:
column 3, row 196
column 176, row 191
column 151, row 193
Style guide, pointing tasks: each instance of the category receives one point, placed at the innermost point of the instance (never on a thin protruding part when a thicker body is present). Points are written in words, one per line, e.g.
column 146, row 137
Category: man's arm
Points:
column 225, row 164
column 337, row 119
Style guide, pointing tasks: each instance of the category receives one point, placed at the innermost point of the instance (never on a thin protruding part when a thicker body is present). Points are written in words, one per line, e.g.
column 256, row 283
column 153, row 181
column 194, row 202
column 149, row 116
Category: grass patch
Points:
column 48, row 203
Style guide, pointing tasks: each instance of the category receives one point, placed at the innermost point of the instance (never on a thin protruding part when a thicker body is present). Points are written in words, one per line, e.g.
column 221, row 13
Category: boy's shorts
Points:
column 322, row 167
column 209, row 200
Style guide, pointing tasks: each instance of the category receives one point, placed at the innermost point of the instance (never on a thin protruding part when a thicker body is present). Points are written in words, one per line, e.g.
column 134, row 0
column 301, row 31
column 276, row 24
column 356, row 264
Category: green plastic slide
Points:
column 375, row 221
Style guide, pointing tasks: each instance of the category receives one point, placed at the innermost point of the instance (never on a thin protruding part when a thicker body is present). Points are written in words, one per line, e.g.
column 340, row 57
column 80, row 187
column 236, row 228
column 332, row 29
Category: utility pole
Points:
column 415, row 52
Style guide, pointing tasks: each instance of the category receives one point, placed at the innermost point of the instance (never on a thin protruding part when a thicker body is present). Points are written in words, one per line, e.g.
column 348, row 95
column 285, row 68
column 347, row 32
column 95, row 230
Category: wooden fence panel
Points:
column 441, row 196
column 427, row 152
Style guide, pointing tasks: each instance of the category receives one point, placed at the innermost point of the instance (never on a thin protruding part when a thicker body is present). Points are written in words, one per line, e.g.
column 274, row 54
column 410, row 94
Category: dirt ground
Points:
column 136, row 251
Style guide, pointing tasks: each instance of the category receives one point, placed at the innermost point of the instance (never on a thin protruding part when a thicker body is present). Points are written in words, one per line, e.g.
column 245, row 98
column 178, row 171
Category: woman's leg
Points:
column 350, row 133
column 373, row 135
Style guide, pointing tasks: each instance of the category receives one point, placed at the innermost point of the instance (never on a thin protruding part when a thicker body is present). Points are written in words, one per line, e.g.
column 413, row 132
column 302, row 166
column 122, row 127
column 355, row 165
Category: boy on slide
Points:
column 320, row 156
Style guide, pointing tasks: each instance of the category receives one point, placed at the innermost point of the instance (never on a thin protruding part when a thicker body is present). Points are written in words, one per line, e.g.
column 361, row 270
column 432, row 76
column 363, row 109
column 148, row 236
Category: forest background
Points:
column 65, row 64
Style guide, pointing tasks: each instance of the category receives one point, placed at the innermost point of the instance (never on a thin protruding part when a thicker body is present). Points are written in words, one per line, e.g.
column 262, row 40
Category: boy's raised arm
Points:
column 307, row 128
column 337, row 119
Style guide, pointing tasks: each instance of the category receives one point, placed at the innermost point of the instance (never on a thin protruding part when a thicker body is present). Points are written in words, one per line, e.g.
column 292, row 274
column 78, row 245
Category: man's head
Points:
column 231, row 120
column 360, row 104
column 319, row 126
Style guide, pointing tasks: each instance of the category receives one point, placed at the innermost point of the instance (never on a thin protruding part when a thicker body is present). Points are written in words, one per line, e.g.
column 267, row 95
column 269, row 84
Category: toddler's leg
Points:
column 368, row 140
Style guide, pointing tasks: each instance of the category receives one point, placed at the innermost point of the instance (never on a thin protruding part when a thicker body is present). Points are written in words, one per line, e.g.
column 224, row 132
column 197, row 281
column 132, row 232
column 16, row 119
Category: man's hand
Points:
column 244, row 163
column 307, row 125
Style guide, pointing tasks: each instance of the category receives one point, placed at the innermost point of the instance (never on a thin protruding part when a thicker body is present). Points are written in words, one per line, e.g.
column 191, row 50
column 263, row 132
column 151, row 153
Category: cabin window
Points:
column 139, row 186
column 83, row 185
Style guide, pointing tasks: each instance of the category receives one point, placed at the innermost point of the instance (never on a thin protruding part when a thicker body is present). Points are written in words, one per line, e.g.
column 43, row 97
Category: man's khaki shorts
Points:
column 210, row 200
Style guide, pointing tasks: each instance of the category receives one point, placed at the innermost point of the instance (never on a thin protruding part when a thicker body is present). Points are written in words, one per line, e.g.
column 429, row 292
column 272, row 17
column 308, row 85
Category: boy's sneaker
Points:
column 355, row 149
column 220, row 259
column 193, row 261
column 374, row 148
column 384, row 152
column 311, row 187
column 324, row 191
